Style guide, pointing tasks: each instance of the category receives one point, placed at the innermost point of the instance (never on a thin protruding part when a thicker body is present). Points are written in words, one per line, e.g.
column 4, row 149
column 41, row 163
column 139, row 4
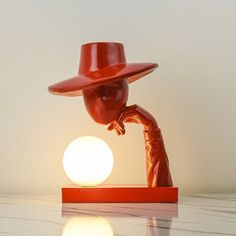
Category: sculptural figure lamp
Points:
column 103, row 80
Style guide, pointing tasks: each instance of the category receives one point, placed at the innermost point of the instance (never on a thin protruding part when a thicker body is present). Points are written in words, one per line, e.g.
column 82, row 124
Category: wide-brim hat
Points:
column 101, row 63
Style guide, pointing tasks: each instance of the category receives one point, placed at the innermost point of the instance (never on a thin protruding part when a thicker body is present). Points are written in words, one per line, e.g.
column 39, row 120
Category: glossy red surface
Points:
column 114, row 194
column 96, row 56
column 157, row 164
column 105, row 102
column 103, row 79
column 101, row 63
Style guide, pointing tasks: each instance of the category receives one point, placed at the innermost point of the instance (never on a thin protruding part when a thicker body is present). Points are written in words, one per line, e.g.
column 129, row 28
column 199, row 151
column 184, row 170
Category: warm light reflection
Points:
column 88, row 161
column 87, row 226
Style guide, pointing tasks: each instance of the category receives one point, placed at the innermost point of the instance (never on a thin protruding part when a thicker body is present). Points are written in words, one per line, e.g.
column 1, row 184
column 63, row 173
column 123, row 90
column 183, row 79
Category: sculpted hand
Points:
column 126, row 116
column 118, row 126
column 133, row 114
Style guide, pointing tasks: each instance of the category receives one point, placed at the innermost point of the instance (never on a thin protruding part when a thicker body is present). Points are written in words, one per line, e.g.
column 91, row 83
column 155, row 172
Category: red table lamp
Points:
column 103, row 80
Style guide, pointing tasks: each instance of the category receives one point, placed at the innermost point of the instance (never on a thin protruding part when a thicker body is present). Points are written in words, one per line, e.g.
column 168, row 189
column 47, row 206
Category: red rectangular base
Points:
column 118, row 194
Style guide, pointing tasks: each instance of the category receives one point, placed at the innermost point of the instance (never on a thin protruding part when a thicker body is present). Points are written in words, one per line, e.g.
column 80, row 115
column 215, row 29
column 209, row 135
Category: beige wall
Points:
column 192, row 94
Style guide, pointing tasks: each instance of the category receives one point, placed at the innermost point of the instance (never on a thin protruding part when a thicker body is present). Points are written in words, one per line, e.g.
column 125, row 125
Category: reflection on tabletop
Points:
column 101, row 219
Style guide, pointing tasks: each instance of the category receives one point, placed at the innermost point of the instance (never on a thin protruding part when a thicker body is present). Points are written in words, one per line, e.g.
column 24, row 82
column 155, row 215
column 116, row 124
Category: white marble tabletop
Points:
column 205, row 214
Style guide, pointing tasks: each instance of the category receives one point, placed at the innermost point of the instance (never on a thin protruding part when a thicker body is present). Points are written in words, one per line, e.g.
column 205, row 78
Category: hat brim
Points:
column 74, row 86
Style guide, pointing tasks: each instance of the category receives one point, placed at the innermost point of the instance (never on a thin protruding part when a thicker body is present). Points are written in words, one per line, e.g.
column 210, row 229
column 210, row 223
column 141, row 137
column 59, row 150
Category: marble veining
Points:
column 195, row 214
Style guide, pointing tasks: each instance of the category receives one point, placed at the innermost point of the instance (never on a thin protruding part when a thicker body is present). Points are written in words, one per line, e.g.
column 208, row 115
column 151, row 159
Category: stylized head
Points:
column 104, row 103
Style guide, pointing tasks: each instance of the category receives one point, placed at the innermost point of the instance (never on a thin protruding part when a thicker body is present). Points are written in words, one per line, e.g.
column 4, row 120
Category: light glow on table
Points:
column 87, row 226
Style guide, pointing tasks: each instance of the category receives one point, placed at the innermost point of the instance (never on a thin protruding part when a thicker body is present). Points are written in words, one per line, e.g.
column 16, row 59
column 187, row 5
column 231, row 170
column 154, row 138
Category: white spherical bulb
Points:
column 88, row 161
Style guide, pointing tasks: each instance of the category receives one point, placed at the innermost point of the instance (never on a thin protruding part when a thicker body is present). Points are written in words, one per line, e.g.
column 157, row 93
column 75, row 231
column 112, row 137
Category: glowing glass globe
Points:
column 88, row 161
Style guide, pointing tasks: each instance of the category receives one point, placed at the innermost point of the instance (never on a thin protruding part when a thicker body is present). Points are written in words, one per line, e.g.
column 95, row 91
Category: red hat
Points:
column 101, row 63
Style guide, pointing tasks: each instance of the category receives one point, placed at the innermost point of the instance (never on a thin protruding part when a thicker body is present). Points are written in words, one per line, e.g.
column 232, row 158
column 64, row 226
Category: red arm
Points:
column 157, row 165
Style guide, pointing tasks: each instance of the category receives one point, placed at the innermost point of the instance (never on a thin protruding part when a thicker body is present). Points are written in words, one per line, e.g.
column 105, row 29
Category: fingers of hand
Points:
column 121, row 128
column 118, row 127
column 110, row 127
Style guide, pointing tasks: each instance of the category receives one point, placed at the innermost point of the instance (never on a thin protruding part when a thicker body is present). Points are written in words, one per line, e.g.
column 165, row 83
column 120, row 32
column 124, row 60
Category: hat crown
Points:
column 95, row 56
